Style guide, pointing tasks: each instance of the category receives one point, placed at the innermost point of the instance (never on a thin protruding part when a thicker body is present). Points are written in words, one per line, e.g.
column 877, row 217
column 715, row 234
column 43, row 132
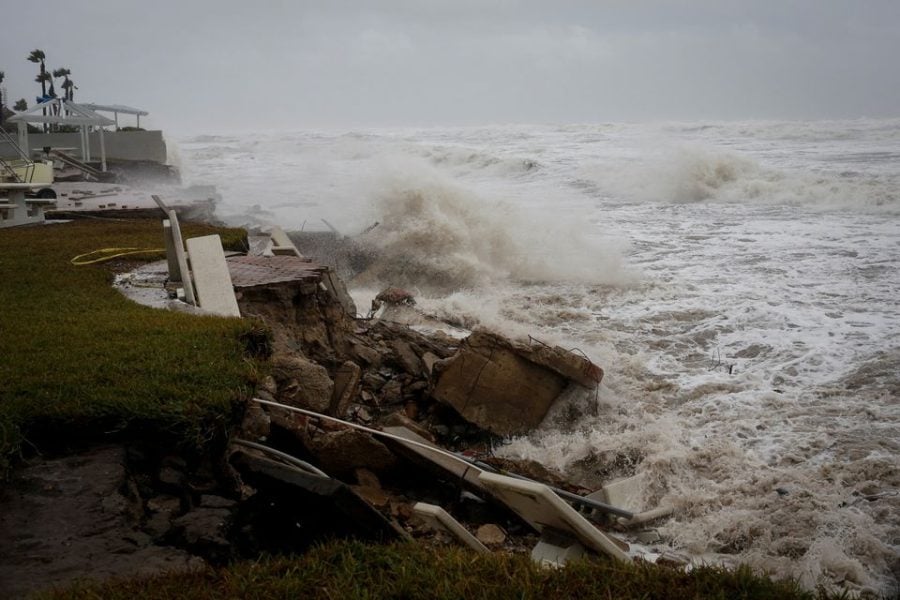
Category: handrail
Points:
column 74, row 162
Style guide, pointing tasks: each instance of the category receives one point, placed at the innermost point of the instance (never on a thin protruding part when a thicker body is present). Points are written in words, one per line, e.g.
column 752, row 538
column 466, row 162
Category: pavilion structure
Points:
column 115, row 109
column 60, row 111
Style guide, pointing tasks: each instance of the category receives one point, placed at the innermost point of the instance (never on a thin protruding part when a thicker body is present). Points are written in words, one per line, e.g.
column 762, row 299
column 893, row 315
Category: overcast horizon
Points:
column 233, row 66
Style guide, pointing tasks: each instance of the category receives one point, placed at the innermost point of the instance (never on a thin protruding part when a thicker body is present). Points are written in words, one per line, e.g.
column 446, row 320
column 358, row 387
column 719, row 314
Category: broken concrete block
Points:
column 349, row 449
column 429, row 359
column 491, row 535
column 392, row 393
column 407, row 358
column 335, row 286
column 374, row 496
column 256, row 424
column 401, row 419
column 204, row 526
column 346, row 387
column 648, row 536
column 508, row 387
column 367, row 478
column 555, row 549
column 627, row 493
column 302, row 383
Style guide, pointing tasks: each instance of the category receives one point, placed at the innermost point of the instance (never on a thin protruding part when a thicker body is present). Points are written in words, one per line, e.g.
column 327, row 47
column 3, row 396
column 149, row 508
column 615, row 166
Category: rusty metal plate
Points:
column 252, row 271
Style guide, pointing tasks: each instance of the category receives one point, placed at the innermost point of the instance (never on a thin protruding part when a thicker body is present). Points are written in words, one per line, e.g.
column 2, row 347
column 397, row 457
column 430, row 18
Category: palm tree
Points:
column 69, row 87
column 61, row 72
column 38, row 56
column 20, row 105
column 43, row 78
column 64, row 73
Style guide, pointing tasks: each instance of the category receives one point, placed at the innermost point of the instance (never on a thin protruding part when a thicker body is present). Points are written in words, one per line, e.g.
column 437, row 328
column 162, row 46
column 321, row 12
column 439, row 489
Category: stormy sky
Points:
column 226, row 65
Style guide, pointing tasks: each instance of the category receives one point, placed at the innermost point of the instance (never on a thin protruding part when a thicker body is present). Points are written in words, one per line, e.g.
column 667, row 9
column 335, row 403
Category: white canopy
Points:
column 60, row 111
column 115, row 108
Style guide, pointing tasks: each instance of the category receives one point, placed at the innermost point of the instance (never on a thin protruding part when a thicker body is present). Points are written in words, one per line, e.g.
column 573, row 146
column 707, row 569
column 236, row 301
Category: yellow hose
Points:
column 105, row 251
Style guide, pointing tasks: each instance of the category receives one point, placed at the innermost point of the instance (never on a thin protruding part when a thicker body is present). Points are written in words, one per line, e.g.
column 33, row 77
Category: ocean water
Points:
column 738, row 282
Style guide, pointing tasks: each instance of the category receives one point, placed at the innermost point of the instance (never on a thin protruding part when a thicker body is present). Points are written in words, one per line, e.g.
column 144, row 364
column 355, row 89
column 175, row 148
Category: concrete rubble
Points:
column 435, row 390
column 396, row 418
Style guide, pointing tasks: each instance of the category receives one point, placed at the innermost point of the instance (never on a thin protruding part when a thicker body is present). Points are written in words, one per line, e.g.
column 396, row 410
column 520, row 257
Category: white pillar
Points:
column 23, row 138
column 84, row 157
column 102, row 152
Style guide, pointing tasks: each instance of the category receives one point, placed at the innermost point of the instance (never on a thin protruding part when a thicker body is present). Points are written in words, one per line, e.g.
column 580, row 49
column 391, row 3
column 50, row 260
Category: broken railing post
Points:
column 181, row 259
column 171, row 256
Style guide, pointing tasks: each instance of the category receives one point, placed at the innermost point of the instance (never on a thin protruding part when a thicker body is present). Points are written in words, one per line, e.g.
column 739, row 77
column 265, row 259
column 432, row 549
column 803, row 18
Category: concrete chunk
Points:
column 627, row 493
column 508, row 387
column 282, row 244
column 214, row 290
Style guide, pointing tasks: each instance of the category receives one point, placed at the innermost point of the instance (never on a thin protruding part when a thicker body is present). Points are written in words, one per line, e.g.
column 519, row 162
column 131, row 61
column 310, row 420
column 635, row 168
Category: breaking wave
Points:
column 697, row 174
column 436, row 234
column 751, row 371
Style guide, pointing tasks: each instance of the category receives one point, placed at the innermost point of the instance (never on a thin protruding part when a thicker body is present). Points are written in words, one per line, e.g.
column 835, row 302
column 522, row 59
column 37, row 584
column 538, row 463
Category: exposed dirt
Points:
column 67, row 518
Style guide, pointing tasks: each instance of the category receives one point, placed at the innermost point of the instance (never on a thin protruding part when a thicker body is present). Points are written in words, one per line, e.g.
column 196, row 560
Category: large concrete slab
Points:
column 508, row 386
column 438, row 457
column 215, row 293
column 543, row 509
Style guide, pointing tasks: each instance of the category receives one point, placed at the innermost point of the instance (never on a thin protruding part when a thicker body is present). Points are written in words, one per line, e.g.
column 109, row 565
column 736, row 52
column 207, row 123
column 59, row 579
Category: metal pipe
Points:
column 282, row 455
column 574, row 498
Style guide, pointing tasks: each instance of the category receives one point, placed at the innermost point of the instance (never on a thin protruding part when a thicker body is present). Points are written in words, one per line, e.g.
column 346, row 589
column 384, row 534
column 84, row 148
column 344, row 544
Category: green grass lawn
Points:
column 78, row 357
column 347, row 570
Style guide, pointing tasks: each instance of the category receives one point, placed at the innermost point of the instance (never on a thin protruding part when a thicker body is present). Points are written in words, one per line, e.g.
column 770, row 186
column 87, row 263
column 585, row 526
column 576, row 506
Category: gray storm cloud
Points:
column 226, row 65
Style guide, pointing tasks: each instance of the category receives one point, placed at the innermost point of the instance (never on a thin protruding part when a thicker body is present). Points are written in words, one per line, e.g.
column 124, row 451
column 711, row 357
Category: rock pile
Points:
column 458, row 394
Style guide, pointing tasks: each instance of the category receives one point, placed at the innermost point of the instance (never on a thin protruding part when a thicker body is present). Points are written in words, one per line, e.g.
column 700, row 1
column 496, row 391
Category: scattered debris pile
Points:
column 403, row 420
